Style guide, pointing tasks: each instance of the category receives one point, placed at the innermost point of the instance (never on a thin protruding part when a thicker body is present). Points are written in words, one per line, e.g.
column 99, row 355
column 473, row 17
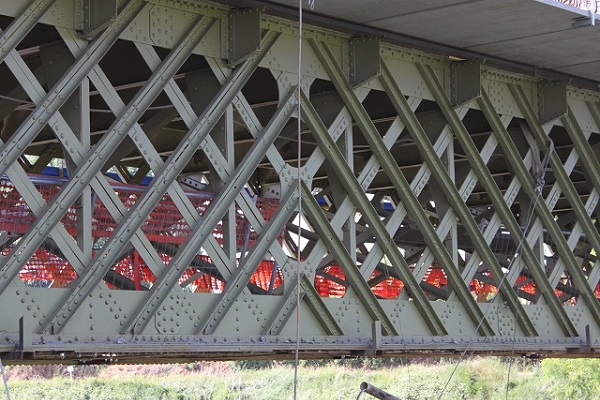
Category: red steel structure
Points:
column 165, row 225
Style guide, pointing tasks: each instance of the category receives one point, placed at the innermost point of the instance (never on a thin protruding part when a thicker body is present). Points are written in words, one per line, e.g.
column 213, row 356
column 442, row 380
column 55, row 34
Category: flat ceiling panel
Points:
column 554, row 50
column 366, row 12
column 470, row 24
column 590, row 70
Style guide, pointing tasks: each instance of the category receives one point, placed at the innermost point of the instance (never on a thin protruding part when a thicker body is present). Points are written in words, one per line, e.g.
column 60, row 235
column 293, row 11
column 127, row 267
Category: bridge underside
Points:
column 152, row 192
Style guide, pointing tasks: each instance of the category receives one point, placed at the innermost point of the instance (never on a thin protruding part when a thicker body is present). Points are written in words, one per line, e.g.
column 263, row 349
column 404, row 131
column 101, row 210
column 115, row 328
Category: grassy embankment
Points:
column 480, row 378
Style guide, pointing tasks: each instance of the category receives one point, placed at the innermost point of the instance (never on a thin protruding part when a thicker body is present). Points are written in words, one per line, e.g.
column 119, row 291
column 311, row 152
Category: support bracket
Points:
column 25, row 339
column 376, row 334
column 244, row 36
column 365, row 60
column 92, row 16
column 582, row 22
column 465, row 82
column 552, row 100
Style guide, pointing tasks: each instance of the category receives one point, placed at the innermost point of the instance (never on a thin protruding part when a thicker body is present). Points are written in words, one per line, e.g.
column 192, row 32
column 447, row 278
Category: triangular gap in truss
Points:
column 287, row 146
column 267, row 278
column 246, row 234
column 380, row 110
column 5, row 22
column 127, row 81
column 299, row 232
column 129, row 272
column 480, row 132
column 39, row 37
column 48, row 266
column 330, row 282
column 15, row 105
column 262, row 92
column 40, row 34
column 299, row 226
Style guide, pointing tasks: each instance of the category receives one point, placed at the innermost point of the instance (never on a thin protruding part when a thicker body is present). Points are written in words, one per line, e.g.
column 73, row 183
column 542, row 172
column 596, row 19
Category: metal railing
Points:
column 591, row 5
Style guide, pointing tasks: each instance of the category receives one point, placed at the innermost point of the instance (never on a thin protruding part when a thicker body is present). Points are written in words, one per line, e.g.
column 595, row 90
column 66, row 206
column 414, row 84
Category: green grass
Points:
column 479, row 378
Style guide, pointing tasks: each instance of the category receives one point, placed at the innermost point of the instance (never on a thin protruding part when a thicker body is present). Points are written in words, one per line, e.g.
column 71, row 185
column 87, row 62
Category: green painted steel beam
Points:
column 315, row 303
column 77, row 153
column 319, row 308
column 510, row 222
column 206, row 224
column 21, row 25
column 451, row 193
column 85, row 172
column 583, row 216
column 67, row 85
column 353, row 277
column 241, row 276
column 151, row 156
column 284, row 310
column 383, row 180
column 359, row 198
column 402, row 187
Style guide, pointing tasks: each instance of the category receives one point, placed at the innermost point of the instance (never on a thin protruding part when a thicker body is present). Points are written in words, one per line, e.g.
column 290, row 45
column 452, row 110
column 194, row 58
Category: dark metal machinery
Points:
column 451, row 203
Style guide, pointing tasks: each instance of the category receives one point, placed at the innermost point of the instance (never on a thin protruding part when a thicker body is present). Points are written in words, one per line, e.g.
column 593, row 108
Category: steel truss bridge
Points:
column 151, row 190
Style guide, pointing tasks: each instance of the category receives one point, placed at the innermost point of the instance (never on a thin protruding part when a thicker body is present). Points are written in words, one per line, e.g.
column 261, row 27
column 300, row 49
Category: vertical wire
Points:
column 504, row 277
column 4, row 380
column 539, row 187
column 299, row 188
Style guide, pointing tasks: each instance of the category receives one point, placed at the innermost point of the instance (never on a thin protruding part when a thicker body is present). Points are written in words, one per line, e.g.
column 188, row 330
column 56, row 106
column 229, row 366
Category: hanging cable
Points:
column 539, row 178
column 540, row 181
column 4, row 379
column 360, row 393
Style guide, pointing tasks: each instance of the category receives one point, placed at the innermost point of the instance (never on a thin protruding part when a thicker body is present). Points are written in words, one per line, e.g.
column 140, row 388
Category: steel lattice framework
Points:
column 446, row 205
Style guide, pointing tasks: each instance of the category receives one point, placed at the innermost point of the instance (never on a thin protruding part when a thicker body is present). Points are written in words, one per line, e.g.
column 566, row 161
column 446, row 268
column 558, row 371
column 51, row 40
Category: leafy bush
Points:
column 572, row 378
column 477, row 378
